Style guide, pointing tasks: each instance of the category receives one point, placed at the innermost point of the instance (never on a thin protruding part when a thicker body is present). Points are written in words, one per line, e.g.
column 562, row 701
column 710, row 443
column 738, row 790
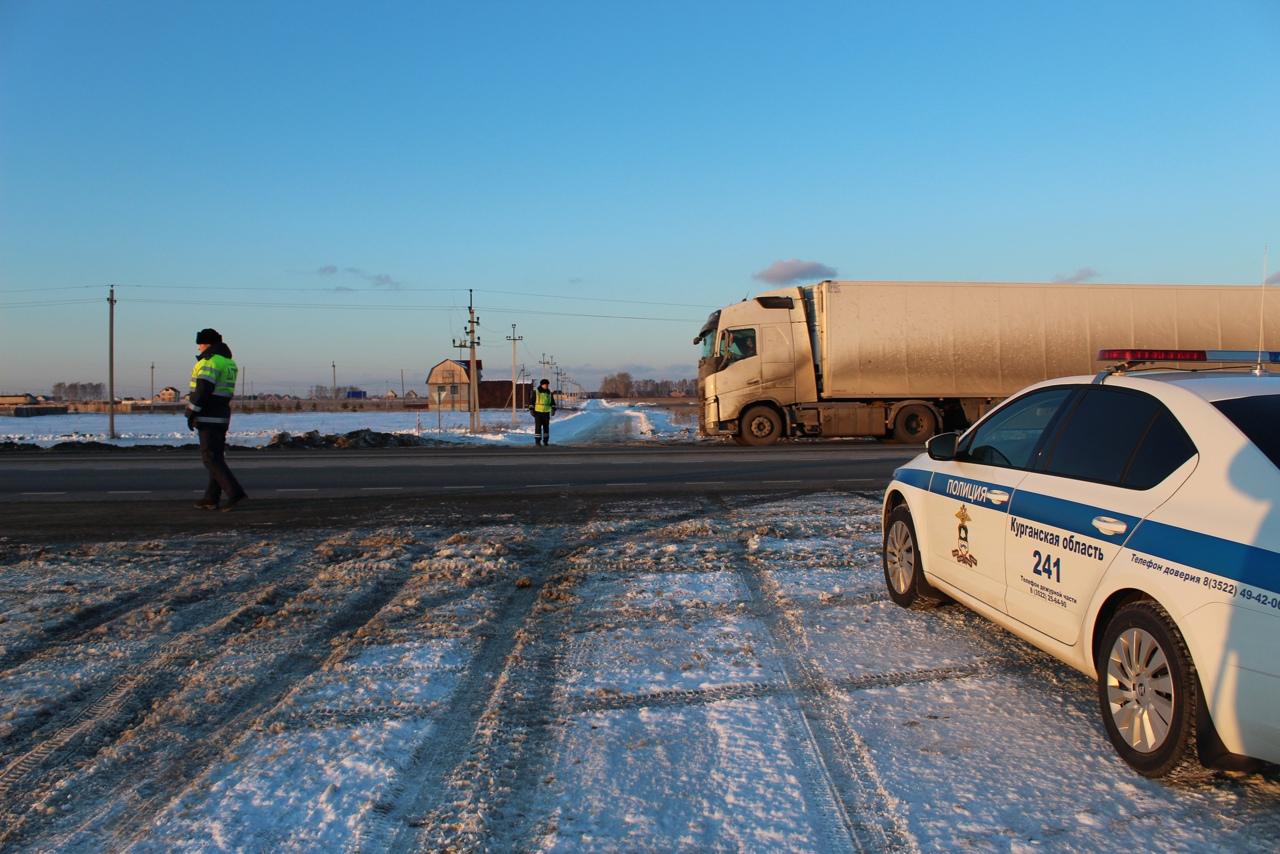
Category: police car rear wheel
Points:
column 1147, row 690
column 901, row 558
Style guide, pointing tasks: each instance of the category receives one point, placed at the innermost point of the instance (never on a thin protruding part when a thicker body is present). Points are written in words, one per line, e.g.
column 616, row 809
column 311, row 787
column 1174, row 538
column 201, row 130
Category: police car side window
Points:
column 1165, row 447
column 1010, row 436
column 1120, row 437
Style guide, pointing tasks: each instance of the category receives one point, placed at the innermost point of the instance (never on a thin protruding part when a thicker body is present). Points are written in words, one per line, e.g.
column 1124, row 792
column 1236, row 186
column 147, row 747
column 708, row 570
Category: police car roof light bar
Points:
column 1236, row 356
column 1153, row 356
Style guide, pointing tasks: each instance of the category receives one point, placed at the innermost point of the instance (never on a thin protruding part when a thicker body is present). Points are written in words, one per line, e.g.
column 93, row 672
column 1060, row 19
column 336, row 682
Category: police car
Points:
column 1128, row 524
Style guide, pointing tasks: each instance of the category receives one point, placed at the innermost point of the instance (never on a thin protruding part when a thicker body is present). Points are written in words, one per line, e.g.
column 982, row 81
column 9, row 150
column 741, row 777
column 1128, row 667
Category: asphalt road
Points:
column 132, row 492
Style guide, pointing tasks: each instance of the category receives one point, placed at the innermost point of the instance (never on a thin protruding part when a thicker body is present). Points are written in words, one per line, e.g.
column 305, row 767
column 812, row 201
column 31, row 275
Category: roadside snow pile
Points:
column 596, row 422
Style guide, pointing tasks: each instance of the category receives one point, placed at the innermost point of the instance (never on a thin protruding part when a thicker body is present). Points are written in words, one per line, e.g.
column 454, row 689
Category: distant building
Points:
column 411, row 394
column 496, row 394
column 448, row 383
column 168, row 394
column 17, row 399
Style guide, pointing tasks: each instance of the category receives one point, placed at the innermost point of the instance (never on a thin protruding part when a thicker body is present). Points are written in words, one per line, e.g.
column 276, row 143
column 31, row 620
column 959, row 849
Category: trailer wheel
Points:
column 760, row 426
column 914, row 424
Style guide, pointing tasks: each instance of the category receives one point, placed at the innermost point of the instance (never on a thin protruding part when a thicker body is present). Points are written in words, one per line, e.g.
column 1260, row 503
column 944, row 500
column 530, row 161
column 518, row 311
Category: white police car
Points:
column 1128, row 524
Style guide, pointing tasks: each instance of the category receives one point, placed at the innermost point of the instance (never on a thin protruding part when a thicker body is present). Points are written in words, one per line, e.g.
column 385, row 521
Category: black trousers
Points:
column 542, row 427
column 213, row 447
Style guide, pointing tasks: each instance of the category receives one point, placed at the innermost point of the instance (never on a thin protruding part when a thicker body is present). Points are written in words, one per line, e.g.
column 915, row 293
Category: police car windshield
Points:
column 1256, row 417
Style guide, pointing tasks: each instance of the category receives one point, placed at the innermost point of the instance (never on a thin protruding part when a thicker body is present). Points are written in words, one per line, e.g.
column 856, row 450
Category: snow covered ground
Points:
column 596, row 422
column 692, row 674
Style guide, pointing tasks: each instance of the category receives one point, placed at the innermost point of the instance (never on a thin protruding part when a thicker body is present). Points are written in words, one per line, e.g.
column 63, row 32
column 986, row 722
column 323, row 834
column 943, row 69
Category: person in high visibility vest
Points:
column 543, row 406
column 213, row 383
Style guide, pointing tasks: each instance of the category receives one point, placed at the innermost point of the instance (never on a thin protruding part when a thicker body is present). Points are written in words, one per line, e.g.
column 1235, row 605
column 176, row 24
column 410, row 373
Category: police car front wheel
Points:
column 1147, row 689
column 903, row 574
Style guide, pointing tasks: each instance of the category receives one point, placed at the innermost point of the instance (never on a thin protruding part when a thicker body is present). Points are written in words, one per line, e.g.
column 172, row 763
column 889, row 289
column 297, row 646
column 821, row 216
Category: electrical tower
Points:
column 473, row 380
column 513, row 338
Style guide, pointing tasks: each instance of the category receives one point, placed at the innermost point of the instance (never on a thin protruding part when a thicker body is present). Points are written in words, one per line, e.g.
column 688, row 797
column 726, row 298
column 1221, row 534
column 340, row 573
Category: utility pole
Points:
column 402, row 383
column 334, row 388
column 546, row 363
column 473, row 380
column 513, row 338
column 111, row 362
column 153, row 382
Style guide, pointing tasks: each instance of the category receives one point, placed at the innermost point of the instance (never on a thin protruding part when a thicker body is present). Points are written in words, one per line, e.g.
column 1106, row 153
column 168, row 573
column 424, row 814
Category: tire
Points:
column 760, row 425
column 903, row 569
column 1148, row 691
column 914, row 424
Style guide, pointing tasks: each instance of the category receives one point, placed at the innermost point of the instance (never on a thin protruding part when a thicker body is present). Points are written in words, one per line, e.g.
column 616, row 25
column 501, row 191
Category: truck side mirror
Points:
column 942, row 446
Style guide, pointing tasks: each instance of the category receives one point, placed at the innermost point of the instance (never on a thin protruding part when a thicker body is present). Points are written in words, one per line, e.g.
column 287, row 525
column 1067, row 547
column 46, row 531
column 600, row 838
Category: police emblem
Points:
column 961, row 551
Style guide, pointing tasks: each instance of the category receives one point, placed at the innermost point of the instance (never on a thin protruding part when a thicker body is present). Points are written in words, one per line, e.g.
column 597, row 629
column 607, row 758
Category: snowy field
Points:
column 689, row 675
column 596, row 422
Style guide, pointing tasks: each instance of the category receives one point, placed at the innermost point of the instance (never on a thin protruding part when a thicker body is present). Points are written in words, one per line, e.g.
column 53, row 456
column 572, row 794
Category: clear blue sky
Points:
column 228, row 155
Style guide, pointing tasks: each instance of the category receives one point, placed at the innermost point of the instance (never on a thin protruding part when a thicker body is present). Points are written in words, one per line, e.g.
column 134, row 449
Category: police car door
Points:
column 968, row 504
column 1116, row 455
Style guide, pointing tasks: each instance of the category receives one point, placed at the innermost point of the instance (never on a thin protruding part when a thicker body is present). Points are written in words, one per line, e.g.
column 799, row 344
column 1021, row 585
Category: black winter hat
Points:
column 208, row 336
column 544, row 382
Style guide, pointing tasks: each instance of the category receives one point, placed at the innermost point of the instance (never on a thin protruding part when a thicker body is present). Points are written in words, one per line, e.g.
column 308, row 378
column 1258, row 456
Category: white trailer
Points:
column 902, row 359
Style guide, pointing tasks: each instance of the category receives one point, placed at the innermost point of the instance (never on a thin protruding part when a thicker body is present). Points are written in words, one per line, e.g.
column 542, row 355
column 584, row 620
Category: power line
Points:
column 40, row 303
column 388, row 290
column 380, row 307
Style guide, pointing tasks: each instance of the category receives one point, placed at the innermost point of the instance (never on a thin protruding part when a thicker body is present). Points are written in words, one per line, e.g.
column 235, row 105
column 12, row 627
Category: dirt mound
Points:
column 355, row 439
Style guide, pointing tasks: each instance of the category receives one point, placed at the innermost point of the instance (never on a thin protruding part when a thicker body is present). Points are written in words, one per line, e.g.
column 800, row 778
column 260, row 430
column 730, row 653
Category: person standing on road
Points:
column 213, row 382
column 543, row 406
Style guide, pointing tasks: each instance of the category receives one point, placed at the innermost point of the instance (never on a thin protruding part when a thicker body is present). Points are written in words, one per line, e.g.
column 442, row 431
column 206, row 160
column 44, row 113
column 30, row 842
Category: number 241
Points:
column 1048, row 566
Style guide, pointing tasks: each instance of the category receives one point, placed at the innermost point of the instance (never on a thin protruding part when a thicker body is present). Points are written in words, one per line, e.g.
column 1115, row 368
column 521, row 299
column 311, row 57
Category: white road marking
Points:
column 703, row 482
column 464, row 487
column 380, row 488
column 44, row 493
column 544, row 485
column 624, row 484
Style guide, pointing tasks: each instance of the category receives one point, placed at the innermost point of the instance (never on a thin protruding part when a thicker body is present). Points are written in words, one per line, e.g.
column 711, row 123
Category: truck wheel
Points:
column 1148, row 690
column 914, row 424
column 760, row 426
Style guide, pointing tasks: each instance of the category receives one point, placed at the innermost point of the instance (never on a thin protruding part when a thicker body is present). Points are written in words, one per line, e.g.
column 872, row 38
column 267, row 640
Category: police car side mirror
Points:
column 942, row 446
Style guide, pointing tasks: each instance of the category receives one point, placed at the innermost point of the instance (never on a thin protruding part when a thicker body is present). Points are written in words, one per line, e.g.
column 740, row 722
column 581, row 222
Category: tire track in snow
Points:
column 760, row 690
column 74, row 627
column 192, row 606
column 842, row 775
column 466, row 789
column 38, row 775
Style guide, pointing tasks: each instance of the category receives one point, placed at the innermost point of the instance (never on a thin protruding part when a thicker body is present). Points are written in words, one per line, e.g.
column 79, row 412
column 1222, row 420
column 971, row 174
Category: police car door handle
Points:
column 997, row 496
column 1107, row 525
column 753, row 382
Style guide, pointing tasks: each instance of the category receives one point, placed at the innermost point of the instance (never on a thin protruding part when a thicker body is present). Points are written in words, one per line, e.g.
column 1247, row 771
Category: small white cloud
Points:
column 794, row 270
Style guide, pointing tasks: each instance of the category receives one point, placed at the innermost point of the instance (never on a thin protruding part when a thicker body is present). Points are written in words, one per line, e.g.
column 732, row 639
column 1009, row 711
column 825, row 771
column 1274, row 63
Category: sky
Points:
column 323, row 182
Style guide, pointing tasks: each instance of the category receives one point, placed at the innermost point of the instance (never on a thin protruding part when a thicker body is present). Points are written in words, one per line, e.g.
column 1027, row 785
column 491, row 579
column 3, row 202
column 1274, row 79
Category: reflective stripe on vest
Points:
column 218, row 370
column 542, row 402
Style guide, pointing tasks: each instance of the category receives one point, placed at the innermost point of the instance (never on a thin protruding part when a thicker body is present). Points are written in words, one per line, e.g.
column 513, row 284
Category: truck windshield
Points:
column 1256, row 417
column 708, row 346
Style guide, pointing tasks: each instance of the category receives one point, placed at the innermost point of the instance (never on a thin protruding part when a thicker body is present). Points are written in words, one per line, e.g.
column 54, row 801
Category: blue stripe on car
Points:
column 1240, row 562
column 970, row 491
column 1068, row 515
column 919, row 478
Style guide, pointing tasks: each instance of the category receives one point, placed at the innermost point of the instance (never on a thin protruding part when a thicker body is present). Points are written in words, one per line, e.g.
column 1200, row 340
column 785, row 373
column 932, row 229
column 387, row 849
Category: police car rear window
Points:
column 1259, row 419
